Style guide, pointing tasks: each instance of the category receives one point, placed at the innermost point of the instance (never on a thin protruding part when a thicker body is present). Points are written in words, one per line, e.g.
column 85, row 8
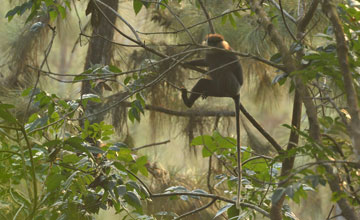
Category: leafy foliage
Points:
column 52, row 168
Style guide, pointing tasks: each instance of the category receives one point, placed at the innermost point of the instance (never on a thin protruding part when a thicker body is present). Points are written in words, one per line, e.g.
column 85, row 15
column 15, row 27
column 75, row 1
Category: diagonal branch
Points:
column 211, row 26
column 291, row 18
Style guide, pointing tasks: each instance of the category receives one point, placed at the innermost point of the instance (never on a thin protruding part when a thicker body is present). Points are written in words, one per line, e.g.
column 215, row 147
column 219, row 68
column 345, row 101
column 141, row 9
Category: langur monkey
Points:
column 226, row 78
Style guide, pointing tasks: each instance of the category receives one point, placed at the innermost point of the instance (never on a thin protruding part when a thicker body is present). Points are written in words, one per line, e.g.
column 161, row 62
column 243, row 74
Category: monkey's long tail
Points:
column 238, row 150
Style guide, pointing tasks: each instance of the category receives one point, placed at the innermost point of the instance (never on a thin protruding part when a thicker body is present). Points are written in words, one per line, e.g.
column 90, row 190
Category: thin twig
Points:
column 209, row 175
column 121, row 18
column 286, row 13
column 194, row 25
column 47, row 52
column 215, row 197
column 150, row 145
column 286, row 25
column 152, row 83
column 196, row 210
column 211, row 26
column 328, row 217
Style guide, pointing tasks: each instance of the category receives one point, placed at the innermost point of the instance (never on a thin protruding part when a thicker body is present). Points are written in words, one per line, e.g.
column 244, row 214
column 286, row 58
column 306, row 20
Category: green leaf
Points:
column 95, row 150
column 208, row 143
column 70, row 158
column 232, row 212
column 62, row 11
column 5, row 114
column 278, row 193
column 53, row 182
column 135, row 113
column 290, row 191
column 20, row 198
column 223, row 209
column 52, row 143
column 137, row 104
column 77, row 144
column 237, row 14
column 280, row 78
column 91, row 97
column 53, row 15
column 232, row 21
column 132, row 199
column 125, row 155
column 276, row 58
column 121, row 190
column 40, row 122
column 131, row 116
column 127, row 80
column 137, row 5
column 224, row 18
column 114, row 69
column 70, row 179
column 141, row 161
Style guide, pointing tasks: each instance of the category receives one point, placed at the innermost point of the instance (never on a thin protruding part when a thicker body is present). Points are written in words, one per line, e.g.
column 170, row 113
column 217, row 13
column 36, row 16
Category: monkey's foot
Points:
column 203, row 96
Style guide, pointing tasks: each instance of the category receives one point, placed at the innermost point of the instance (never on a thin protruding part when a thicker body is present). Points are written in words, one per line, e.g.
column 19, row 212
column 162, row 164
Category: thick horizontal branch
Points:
column 206, row 113
column 188, row 113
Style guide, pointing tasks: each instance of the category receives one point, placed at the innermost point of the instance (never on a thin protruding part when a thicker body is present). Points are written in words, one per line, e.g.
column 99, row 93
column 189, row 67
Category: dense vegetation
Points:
column 69, row 155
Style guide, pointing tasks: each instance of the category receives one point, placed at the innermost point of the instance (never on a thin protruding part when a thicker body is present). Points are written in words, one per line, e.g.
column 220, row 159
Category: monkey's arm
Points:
column 199, row 62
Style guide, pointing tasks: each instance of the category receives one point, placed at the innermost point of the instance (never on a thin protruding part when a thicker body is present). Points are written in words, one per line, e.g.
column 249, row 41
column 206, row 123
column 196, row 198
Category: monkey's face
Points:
column 216, row 40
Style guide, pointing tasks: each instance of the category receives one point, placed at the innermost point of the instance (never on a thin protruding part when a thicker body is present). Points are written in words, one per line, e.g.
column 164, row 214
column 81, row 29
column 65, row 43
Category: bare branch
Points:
column 286, row 25
column 285, row 12
column 194, row 25
column 150, row 145
column 196, row 210
column 211, row 26
column 121, row 18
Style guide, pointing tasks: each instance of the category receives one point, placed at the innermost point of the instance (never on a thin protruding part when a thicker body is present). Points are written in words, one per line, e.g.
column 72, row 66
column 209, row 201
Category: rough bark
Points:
column 301, row 94
column 99, row 51
column 342, row 50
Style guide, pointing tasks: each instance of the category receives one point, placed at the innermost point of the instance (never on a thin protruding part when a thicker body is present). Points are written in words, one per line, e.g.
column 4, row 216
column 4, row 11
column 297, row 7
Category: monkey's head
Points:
column 217, row 40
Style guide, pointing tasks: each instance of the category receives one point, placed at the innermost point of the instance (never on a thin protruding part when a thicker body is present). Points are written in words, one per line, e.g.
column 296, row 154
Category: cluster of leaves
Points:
column 53, row 169
column 40, row 7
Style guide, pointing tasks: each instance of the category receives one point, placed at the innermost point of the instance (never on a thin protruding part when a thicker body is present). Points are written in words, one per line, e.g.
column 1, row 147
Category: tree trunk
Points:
column 100, row 51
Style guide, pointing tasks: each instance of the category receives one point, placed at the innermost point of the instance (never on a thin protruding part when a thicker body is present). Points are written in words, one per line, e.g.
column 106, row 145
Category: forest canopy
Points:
column 94, row 123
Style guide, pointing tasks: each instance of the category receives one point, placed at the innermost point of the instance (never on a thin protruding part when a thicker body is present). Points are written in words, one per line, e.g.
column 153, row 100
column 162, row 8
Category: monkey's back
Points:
column 225, row 70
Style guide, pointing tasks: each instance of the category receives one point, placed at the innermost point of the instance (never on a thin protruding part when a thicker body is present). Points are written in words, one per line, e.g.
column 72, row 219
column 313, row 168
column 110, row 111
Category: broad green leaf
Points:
column 114, row 69
column 91, row 97
column 53, row 181
column 276, row 58
column 53, row 15
column 121, row 190
column 5, row 114
column 280, row 78
column 70, row 158
column 278, row 193
column 223, row 209
column 70, row 179
column 137, row 5
column 132, row 199
column 62, row 11
column 95, row 150
column 232, row 21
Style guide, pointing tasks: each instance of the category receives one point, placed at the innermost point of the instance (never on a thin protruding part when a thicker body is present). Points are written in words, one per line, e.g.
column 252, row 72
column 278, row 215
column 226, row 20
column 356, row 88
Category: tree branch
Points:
column 149, row 145
column 343, row 51
column 211, row 26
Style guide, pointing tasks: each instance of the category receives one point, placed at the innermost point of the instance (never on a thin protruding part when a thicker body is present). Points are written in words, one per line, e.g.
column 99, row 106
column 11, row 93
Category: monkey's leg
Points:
column 202, row 87
column 239, row 166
